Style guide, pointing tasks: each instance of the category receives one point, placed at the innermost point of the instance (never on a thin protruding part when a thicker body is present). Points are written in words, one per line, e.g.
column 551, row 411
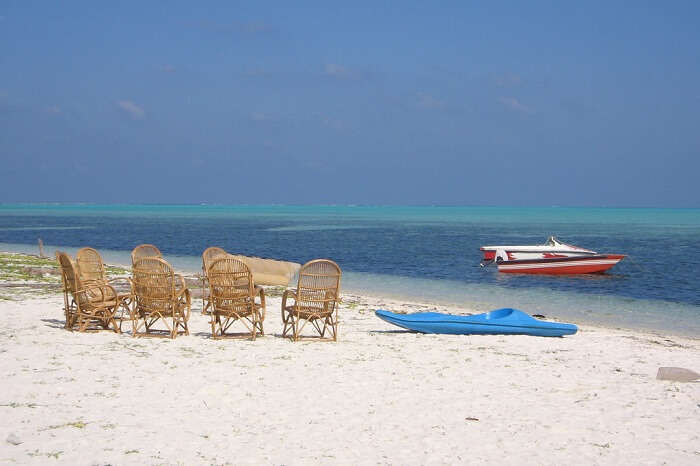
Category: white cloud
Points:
column 514, row 104
column 131, row 109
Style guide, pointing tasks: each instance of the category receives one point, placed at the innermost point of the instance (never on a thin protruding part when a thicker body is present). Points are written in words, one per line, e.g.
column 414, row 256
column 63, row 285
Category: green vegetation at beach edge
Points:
column 26, row 275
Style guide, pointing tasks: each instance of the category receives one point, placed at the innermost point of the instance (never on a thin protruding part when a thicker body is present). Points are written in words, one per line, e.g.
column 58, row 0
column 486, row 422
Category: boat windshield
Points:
column 552, row 241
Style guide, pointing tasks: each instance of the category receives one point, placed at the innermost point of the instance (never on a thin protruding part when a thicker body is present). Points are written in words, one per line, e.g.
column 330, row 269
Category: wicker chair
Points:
column 89, row 306
column 232, row 299
column 91, row 270
column 316, row 300
column 159, row 295
column 69, row 306
column 90, row 266
column 208, row 257
column 144, row 250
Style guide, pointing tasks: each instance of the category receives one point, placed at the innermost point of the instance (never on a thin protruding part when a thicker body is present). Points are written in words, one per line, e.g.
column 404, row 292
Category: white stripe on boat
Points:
column 559, row 264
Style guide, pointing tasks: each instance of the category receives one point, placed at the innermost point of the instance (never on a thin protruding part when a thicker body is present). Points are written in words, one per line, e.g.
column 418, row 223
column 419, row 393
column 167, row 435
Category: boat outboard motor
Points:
column 501, row 255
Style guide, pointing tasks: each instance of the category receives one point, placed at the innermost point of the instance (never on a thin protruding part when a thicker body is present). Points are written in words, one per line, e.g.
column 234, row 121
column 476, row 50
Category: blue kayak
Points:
column 500, row 322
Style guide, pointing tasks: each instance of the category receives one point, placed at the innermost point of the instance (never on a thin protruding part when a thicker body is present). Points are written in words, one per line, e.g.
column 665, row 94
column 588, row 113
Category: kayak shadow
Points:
column 393, row 331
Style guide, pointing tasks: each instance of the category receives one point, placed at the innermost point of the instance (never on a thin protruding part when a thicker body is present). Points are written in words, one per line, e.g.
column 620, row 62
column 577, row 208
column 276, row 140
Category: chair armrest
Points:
column 184, row 298
column 179, row 278
column 188, row 304
column 331, row 296
column 287, row 294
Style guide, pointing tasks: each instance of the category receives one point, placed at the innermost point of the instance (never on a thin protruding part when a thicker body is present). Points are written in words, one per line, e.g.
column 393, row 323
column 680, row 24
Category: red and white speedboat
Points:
column 553, row 257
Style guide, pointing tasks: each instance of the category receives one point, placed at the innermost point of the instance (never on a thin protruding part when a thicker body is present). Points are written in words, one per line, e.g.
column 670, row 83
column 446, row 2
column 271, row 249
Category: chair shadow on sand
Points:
column 235, row 336
column 54, row 323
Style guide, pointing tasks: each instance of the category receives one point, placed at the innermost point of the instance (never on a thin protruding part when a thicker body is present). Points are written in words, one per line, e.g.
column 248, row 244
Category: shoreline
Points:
column 189, row 266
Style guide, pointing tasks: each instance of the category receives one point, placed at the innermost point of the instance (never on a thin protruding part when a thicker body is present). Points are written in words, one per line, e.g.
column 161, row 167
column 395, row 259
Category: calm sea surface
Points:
column 421, row 253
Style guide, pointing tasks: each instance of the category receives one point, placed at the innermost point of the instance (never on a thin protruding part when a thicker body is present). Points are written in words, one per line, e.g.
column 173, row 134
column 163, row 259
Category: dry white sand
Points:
column 379, row 395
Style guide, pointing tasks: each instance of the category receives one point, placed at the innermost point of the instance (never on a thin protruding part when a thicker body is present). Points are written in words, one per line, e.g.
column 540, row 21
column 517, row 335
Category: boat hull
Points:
column 504, row 321
column 562, row 265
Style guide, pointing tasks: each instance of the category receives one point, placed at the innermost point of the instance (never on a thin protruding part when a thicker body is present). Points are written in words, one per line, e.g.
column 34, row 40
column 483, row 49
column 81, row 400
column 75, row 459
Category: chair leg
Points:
column 204, row 306
column 259, row 323
column 285, row 323
column 115, row 325
column 255, row 326
column 295, row 327
column 183, row 323
column 333, row 325
column 133, row 325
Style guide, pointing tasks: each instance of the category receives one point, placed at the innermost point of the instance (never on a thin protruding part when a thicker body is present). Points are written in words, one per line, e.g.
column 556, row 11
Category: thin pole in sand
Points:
column 41, row 248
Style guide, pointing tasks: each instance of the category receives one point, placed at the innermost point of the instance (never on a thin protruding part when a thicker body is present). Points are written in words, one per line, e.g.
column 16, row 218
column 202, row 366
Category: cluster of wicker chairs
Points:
column 159, row 302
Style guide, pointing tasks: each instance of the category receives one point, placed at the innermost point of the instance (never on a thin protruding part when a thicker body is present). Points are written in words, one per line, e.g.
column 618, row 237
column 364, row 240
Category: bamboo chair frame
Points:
column 316, row 300
column 159, row 295
column 91, row 270
column 208, row 256
column 232, row 299
column 144, row 250
column 69, row 305
column 90, row 306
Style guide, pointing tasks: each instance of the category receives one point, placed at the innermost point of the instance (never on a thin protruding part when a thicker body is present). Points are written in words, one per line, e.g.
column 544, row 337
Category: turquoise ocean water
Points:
column 429, row 254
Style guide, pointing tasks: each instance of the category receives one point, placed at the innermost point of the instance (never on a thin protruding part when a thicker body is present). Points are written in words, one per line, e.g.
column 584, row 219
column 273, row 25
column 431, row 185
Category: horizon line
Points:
column 352, row 205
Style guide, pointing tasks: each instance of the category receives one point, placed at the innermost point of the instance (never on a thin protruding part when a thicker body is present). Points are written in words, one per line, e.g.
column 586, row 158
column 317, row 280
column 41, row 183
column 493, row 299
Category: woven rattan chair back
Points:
column 69, row 274
column 230, row 284
column 208, row 256
column 144, row 250
column 154, row 285
column 211, row 254
column 68, row 280
column 91, row 269
column 319, row 286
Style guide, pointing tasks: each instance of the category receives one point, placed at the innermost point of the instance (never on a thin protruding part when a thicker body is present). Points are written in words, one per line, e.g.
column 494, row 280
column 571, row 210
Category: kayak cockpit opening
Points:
column 498, row 313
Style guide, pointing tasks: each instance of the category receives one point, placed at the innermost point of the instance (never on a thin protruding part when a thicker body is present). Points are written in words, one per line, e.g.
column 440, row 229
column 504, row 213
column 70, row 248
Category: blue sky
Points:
column 492, row 103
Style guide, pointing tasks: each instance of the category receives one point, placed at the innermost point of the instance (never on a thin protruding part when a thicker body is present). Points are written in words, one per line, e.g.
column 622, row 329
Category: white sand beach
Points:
column 378, row 395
